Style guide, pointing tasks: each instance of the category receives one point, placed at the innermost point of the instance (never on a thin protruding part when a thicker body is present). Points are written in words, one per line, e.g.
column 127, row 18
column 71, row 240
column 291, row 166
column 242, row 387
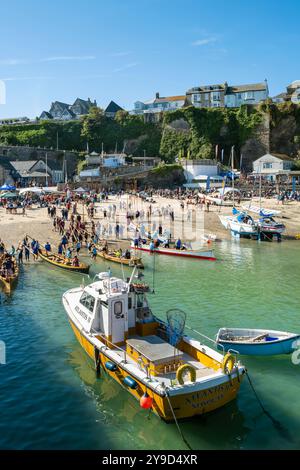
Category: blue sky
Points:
column 128, row 49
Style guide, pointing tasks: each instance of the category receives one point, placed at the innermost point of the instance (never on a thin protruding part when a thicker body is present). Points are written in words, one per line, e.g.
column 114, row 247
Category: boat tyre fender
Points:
column 181, row 371
column 228, row 363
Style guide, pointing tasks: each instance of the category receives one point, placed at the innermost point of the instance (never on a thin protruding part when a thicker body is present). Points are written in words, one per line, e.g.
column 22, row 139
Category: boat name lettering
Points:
column 83, row 314
column 207, row 397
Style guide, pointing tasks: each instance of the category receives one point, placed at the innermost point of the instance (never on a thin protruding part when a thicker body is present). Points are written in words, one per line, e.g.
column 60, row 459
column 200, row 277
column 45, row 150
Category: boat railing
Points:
column 107, row 342
column 218, row 345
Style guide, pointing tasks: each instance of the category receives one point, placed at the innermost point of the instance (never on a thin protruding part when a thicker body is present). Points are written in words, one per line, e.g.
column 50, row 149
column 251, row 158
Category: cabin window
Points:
column 88, row 301
column 129, row 303
column 118, row 308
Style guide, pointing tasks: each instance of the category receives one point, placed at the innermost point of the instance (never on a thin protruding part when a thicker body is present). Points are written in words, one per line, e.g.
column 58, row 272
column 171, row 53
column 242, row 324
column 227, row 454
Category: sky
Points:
column 127, row 50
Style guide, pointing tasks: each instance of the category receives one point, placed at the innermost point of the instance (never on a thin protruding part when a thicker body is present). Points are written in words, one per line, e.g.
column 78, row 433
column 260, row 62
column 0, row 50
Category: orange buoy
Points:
column 146, row 401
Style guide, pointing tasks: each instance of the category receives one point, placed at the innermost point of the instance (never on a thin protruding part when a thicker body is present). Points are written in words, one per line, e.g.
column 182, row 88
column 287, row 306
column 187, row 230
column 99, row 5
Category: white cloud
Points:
column 13, row 61
column 68, row 57
column 120, row 54
column 204, row 42
column 4, row 62
column 16, row 79
column 125, row 67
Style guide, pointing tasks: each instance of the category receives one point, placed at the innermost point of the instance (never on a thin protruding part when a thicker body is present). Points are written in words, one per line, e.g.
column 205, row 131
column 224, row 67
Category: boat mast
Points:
column 46, row 169
column 260, row 190
column 232, row 173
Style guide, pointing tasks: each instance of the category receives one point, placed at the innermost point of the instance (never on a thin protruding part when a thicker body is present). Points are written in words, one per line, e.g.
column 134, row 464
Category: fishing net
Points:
column 176, row 323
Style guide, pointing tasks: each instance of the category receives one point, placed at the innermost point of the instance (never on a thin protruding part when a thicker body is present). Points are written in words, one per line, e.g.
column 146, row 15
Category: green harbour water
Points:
column 50, row 397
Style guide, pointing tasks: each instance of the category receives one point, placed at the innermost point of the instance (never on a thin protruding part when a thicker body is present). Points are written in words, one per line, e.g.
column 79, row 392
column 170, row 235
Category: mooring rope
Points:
column 176, row 422
column 275, row 422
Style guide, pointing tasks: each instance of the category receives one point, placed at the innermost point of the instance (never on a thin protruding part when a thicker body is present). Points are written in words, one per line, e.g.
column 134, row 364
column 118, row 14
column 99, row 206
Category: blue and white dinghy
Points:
column 257, row 342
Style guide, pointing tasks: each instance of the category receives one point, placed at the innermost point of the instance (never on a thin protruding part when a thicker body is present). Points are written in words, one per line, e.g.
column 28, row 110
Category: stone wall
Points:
column 258, row 145
column 32, row 153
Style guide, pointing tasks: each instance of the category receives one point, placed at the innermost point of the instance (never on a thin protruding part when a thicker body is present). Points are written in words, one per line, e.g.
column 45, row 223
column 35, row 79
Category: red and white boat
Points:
column 207, row 254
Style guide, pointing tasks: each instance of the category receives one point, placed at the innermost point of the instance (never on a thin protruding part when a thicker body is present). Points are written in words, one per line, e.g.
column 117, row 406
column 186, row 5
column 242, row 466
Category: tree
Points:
column 92, row 124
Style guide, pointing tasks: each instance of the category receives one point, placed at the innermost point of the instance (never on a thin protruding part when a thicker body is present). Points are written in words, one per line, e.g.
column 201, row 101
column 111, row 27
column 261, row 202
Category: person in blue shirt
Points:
column 78, row 246
column 48, row 247
column 64, row 240
column 94, row 253
column 60, row 249
column 178, row 244
column 35, row 251
column 152, row 246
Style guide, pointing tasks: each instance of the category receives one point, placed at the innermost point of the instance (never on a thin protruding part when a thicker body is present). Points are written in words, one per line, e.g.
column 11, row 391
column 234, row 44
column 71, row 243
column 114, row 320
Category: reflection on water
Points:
column 51, row 398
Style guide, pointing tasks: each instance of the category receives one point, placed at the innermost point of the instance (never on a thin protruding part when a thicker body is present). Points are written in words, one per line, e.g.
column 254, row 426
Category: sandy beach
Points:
column 189, row 223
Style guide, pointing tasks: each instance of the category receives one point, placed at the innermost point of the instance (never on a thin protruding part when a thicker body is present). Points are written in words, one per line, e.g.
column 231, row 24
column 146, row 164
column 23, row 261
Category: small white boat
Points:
column 255, row 342
column 266, row 223
column 240, row 224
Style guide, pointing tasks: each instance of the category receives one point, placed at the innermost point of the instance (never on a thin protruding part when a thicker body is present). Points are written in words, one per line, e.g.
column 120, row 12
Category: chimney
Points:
column 157, row 95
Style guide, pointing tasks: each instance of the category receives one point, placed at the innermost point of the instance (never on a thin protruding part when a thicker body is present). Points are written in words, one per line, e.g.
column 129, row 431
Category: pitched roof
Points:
column 278, row 156
column 48, row 115
column 281, row 95
column 61, row 104
column 84, row 105
column 250, row 87
column 68, row 111
column 113, row 108
column 23, row 166
column 170, row 98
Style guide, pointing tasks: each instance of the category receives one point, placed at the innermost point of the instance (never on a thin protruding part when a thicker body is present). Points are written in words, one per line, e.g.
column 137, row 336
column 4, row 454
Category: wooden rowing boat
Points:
column 61, row 262
column 133, row 261
column 201, row 254
column 255, row 342
column 9, row 282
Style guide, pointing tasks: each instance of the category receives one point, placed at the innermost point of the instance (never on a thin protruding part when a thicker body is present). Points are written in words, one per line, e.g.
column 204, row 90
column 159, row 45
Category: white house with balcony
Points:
column 270, row 165
column 159, row 104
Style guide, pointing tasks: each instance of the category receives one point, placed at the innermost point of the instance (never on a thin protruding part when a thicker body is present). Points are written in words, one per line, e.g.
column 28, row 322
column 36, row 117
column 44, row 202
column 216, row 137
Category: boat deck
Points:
column 162, row 351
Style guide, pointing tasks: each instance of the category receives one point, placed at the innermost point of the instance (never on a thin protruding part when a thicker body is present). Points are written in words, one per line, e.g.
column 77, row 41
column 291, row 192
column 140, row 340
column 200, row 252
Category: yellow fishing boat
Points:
column 62, row 262
column 174, row 375
column 111, row 256
column 8, row 280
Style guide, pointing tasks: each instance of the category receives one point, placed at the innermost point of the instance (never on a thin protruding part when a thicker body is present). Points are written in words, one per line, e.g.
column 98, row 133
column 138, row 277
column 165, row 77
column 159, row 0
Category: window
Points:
column 216, row 96
column 88, row 301
column 129, row 303
column 196, row 98
column 118, row 308
column 249, row 95
column 267, row 165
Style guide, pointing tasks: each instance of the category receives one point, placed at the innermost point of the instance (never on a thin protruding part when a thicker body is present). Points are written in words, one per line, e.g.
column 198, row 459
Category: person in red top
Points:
column 75, row 261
